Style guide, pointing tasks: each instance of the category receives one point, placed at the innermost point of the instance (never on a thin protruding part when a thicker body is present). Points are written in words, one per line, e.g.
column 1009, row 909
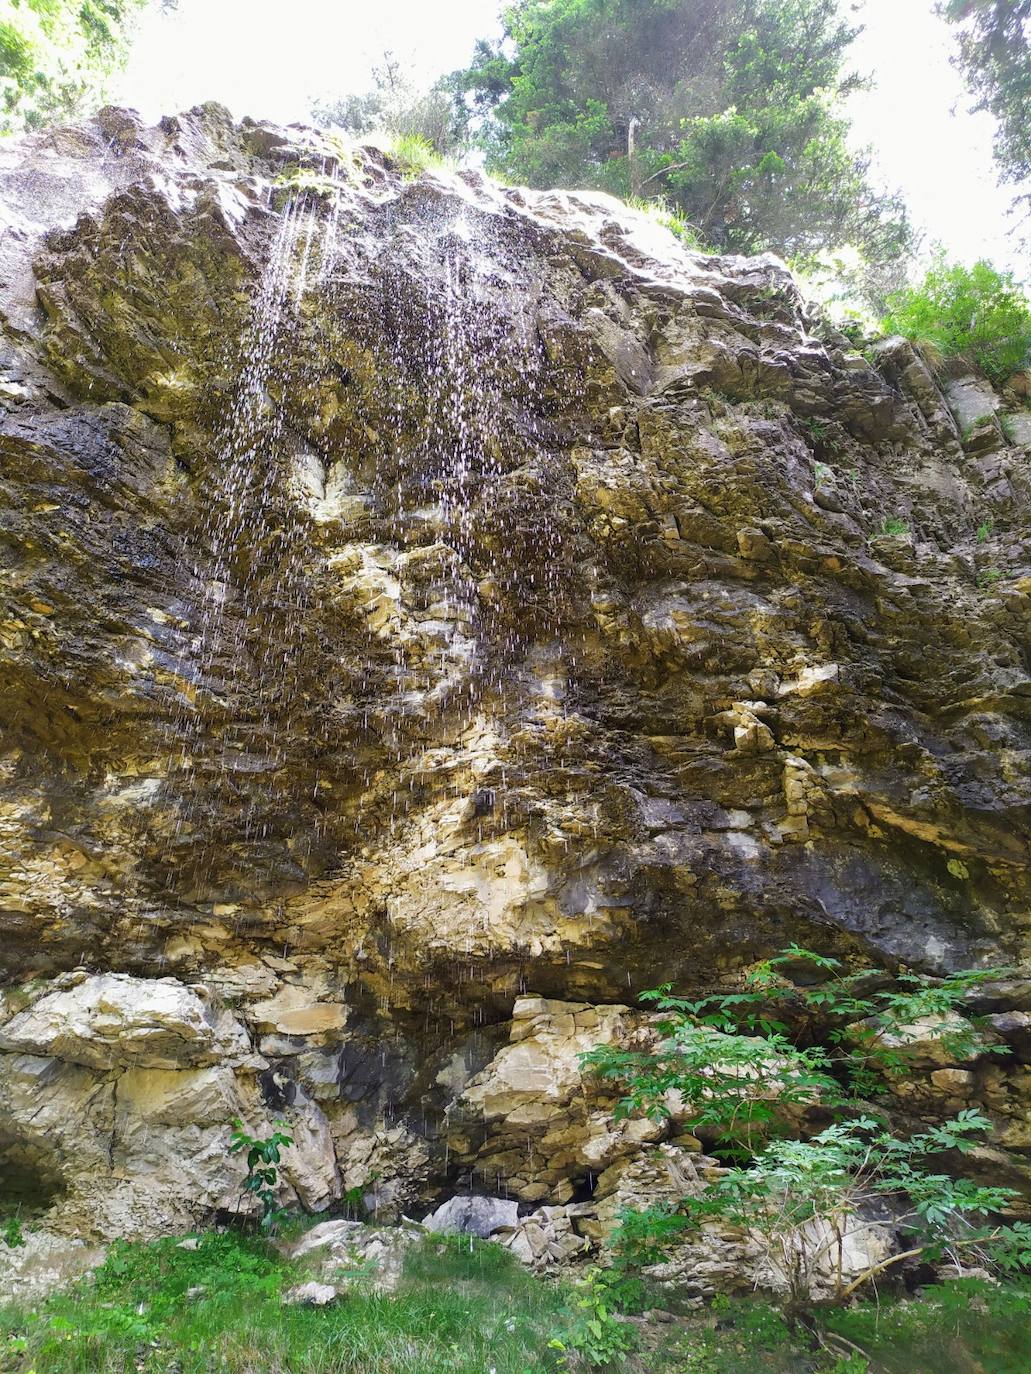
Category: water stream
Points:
column 460, row 382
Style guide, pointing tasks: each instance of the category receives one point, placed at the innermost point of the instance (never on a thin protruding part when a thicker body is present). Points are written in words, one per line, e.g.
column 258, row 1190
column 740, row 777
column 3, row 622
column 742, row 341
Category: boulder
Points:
column 310, row 1294
column 474, row 1216
column 350, row 1253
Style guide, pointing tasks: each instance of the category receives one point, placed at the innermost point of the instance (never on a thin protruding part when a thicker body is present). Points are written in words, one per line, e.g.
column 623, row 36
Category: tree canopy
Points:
column 729, row 109
column 994, row 54
column 55, row 56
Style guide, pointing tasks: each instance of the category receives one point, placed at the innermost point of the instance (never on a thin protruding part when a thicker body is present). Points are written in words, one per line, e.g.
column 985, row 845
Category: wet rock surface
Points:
column 434, row 613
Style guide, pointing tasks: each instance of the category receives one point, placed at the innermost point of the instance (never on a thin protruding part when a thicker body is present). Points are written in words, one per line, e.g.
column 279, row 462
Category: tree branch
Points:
column 897, row 1259
column 673, row 167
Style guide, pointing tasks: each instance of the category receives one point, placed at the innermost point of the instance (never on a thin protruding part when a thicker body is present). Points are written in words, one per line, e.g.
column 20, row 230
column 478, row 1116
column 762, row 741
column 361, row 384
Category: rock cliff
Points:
column 434, row 613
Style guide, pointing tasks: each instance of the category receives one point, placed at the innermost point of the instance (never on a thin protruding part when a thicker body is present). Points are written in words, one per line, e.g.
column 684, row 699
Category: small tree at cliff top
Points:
column 731, row 1067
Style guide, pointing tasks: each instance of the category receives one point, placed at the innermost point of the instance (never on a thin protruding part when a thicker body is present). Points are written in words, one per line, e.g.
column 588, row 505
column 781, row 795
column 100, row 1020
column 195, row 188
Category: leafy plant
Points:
column 643, row 1234
column 804, row 1202
column 984, row 530
column 263, row 1159
column 976, row 311
column 987, row 578
column 892, row 525
column 11, row 1232
column 734, row 1066
column 737, row 1085
column 594, row 1334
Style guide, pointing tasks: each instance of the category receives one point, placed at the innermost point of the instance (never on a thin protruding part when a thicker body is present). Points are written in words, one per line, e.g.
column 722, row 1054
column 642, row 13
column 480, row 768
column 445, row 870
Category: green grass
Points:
column 467, row 1307
column 461, row 1309
column 662, row 213
column 955, row 1328
column 987, row 578
column 964, row 1327
column 414, row 155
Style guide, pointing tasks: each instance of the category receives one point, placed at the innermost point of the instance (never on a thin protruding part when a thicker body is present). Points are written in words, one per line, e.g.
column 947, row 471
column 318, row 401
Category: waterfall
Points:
column 458, row 373
column 241, row 660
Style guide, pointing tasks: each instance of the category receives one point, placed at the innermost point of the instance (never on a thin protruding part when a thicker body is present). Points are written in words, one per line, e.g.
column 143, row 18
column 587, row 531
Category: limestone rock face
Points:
column 113, row 1020
column 433, row 614
column 530, row 1119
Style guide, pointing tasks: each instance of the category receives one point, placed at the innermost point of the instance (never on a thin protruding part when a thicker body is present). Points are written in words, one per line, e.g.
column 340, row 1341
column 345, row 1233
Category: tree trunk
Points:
column 631, row 154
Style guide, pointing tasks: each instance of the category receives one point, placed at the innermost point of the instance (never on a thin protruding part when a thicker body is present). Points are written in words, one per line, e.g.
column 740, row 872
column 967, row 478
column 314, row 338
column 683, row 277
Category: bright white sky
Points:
column 269, row 58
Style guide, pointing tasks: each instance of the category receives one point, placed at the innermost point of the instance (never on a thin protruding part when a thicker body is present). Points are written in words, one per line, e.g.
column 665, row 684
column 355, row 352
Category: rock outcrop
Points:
column 434, row 613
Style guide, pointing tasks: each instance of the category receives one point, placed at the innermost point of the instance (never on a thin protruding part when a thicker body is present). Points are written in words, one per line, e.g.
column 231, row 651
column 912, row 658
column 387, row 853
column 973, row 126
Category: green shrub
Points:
column 976, row 312
column 11, row 1233
column 987, row 578
column 734, row 1062
column 594, row 1336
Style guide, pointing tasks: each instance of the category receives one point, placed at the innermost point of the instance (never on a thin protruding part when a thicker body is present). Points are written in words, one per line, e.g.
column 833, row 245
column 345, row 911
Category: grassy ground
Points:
column 469, row 1308
column 963, row 1327
column 218, row 1310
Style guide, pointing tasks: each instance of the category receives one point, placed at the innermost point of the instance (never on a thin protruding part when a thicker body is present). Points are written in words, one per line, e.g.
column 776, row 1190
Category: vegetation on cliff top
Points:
column 56, row 55
column 977, row 313
column 730, row 108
